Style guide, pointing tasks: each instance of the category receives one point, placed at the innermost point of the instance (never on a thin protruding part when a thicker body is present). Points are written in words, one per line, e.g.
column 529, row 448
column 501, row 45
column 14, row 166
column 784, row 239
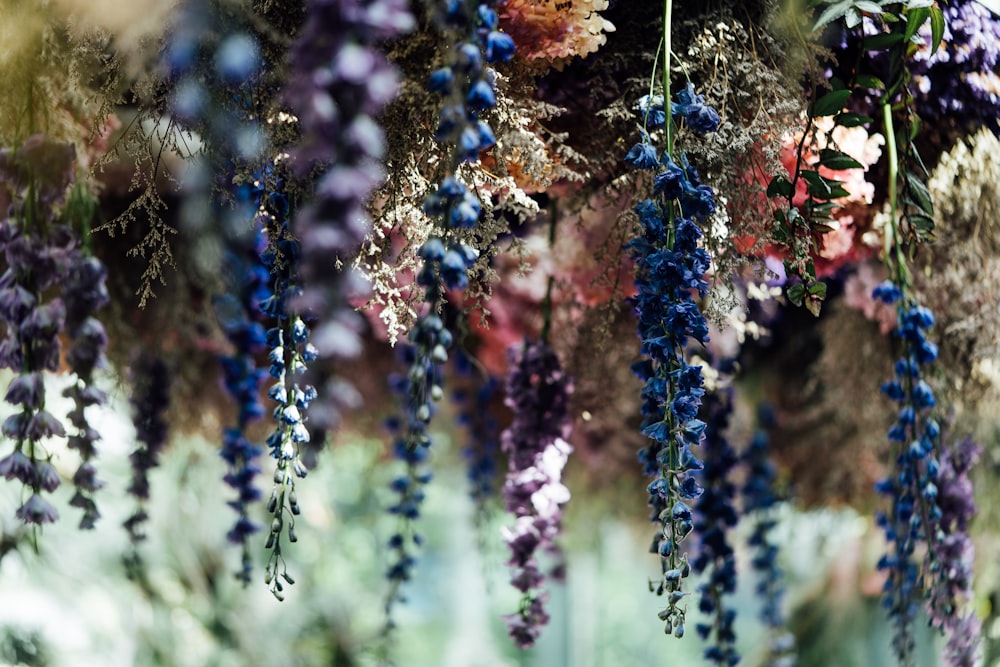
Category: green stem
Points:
column 668, row 10
column 892, row 245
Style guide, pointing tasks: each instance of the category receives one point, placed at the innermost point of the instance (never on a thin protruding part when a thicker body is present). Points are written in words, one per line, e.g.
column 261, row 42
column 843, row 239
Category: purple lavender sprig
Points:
column 670, row 269
column 714, row 516
column 538, row 392
column 85, row 293
column 951, row 576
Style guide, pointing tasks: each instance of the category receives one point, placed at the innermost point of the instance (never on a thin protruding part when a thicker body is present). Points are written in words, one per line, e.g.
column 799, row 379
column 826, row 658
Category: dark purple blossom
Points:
column 952, row 555
column 150, row 400
column 538, row 393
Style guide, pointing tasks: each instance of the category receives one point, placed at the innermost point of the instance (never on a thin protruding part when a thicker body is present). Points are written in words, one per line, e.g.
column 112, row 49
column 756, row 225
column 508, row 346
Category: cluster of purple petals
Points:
column 961, row 80
column 41, row 256
column 912, row 486
column 669, row 274
column 84, row 293
column 759, row 497
column 290, row 353
column 954, row 552
column 242, row 321
column 340, row 81
column 476, row 416
column 538, row 394
column 150, row 400
column 714, row 516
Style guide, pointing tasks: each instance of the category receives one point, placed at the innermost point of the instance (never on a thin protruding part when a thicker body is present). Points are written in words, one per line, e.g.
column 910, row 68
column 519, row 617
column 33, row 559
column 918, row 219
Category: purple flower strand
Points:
column 714, row 516
column 538, row 393
column 951, row 574
column 340, row 82
column 670, row 268
column 85, row 293
column 38, row 254
column 150, row 400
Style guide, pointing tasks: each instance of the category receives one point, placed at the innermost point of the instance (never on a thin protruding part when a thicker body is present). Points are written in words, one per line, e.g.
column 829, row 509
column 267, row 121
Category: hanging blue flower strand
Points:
column 241, row 318
column 714, row 517
column 759, row 500
column 468, row 88
column 915, row 516
column 670, row 268
column 290, row 356
column 475, row 415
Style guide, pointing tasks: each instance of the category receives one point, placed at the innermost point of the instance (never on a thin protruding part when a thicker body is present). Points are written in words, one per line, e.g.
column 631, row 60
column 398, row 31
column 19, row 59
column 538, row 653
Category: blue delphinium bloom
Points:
column 912, row 487
column 670, row 269
column 468, row 89
column 242, row 321
column 475, row 414
column 715, row 515
column 290, row 355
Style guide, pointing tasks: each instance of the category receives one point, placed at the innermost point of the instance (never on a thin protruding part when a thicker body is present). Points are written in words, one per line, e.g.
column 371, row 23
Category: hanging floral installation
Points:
column 607, row 230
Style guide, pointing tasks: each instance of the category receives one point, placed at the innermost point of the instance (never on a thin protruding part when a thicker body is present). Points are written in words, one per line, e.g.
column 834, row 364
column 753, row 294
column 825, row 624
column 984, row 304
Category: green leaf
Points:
column 921, row 224
column 867, row 81
column 914, row 20
column 822, row 229
column 814, row 305
column 830, row 103
column 853, row 18
column 837, row 160
column 796, row 293
column 817, row 290
column 937, row 27
column 847, row 119
column 832, row 13
column 882, row 42
column 868, row 6
column 921, row 196
column 779, row 187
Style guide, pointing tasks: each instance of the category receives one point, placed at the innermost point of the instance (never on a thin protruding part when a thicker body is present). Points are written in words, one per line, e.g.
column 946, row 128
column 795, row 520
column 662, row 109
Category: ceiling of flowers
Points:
column 734, row 254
